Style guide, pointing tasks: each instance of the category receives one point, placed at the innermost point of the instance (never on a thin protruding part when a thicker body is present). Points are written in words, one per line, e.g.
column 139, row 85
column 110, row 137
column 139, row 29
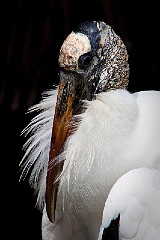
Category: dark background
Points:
column 31, row 35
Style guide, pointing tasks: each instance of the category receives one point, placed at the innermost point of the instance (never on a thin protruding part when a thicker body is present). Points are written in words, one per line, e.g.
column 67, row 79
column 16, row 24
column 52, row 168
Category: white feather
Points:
column 37, row 146
column 136, row 196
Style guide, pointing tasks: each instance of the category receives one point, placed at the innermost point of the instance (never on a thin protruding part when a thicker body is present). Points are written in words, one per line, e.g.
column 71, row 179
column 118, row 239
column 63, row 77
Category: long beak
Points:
column 60, row 131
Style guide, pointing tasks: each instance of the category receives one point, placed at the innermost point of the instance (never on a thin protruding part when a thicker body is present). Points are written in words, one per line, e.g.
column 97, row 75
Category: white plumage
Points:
column 37, row 145
column 117, row 131
column 135, row 196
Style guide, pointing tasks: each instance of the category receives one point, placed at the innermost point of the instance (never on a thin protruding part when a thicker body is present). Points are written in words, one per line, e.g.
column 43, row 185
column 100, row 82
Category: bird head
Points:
column 95, row 59
column 92, row 59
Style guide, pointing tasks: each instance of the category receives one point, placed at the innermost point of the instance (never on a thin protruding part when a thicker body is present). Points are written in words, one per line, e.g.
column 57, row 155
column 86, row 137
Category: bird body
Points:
column 111, row 131
column 131, row 197
column 115, row 121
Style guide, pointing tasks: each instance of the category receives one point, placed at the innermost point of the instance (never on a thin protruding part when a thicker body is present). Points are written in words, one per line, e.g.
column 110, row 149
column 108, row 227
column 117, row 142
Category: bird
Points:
column 127, row 217
column 88, row 132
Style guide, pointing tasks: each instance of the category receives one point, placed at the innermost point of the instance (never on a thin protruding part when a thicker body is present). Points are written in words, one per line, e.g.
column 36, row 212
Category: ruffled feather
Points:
column 37, row 146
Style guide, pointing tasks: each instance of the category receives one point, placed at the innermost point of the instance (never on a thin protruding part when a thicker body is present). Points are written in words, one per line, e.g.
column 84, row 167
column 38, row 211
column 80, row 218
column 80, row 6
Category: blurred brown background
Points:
column 31, row 35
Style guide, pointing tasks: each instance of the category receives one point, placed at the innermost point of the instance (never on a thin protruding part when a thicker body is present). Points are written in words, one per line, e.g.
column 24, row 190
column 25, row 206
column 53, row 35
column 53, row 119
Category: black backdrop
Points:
column 31, row 35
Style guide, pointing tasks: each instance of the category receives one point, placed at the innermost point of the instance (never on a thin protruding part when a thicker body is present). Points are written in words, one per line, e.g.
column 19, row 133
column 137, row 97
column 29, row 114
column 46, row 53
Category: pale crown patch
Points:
column 75, row 45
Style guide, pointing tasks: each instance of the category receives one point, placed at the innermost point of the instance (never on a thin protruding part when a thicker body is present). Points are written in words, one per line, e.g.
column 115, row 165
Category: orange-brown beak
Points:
column 67, row 104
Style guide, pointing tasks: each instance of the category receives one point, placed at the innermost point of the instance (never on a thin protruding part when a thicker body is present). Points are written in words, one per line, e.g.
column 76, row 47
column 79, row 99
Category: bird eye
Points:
column 84, row 61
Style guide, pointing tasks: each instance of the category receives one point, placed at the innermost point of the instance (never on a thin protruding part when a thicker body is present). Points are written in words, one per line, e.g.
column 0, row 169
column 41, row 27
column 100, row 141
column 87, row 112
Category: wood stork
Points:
column 89, row 132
